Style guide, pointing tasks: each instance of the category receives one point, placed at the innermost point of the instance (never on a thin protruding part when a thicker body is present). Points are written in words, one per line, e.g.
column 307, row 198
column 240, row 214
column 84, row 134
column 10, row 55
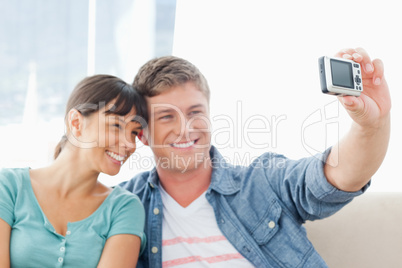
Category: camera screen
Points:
column 342, row 74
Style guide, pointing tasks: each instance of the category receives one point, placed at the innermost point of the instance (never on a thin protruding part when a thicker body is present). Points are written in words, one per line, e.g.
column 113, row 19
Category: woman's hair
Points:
column 95, row 92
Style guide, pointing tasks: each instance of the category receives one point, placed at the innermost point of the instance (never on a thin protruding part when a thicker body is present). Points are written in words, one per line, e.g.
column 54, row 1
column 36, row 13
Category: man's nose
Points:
column 182, row 127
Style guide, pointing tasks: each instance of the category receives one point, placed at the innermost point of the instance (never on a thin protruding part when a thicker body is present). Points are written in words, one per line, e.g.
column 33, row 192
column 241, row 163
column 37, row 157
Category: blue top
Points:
column 260, row 208
column 34, row 242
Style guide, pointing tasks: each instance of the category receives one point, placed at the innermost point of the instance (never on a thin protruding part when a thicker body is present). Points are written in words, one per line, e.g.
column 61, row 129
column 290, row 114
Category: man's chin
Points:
column 184, row 163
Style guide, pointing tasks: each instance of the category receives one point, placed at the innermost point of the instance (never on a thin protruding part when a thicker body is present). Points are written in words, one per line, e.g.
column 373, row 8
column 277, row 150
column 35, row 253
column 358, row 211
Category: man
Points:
column 203, row 211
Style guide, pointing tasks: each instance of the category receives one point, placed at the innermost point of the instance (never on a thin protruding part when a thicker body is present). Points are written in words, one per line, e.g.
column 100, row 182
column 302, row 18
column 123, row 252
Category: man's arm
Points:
column 360, row 153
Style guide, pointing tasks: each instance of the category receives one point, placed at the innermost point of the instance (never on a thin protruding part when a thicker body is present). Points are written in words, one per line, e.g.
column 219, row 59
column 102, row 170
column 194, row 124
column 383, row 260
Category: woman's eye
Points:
column 117, row 126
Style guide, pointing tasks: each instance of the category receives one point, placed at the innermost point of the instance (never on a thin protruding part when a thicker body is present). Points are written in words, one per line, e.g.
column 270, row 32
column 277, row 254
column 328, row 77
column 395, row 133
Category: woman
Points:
column 61, row 215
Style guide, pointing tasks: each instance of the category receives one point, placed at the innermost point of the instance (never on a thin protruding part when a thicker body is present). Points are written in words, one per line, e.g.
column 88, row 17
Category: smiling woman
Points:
column 109, row 108
column 61, row 213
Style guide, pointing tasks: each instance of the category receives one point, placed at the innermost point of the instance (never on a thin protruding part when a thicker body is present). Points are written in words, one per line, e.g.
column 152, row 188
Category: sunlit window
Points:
column 47, row 47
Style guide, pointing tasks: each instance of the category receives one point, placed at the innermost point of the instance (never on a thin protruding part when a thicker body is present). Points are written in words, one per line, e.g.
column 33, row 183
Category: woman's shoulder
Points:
column 13, row 171
column 13, row 176
column 126, row 208
column 12, row 181
column 122, row 197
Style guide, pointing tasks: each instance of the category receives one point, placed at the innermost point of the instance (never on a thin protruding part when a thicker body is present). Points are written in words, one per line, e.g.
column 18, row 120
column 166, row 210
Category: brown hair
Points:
column 160, row 74
column 95, row 92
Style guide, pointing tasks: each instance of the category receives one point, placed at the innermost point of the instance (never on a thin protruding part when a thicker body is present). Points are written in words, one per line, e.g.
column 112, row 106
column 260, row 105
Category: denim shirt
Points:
column 260, row 208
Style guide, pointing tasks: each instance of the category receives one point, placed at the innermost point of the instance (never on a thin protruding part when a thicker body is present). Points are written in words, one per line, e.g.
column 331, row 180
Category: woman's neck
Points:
column 68, row 175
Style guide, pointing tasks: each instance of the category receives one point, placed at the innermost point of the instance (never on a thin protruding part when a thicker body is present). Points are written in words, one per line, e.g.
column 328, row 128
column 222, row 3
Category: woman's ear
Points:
column 75, row 121
column 142, row 136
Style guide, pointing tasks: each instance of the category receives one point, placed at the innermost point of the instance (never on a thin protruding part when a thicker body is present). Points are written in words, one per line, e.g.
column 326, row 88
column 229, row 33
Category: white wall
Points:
column 260, row 58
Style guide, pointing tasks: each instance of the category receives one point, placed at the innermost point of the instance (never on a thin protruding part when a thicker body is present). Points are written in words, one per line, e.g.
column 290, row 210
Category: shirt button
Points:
column 62, row 249
column 68, row 232
column 154, row 250
column 152, row 186
column 156, row 211
column 60, row 259
column 271, row 224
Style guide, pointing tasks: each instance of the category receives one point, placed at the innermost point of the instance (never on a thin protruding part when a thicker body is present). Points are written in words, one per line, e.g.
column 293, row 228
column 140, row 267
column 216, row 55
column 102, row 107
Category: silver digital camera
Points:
column 340, row 76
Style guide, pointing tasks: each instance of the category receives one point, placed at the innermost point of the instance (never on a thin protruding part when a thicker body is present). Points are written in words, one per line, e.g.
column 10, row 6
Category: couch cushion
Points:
column 366, row 233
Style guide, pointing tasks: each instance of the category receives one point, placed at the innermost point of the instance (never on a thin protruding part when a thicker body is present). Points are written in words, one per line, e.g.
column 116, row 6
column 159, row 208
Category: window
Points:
column 47, row 47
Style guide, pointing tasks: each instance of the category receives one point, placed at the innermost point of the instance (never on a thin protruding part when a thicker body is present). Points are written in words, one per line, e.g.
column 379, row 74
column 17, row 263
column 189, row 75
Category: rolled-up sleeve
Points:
column 304, row 189
column 321, row 188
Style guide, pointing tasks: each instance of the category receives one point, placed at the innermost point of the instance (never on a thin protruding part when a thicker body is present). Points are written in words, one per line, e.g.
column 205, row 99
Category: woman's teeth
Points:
column 116, row 156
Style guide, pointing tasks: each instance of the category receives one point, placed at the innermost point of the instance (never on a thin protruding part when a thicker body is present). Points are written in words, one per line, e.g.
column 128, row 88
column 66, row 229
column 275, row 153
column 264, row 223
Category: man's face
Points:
column 179, row 128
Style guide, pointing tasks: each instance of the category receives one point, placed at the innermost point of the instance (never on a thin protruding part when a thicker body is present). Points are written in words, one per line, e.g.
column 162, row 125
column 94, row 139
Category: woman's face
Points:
column 108, row 140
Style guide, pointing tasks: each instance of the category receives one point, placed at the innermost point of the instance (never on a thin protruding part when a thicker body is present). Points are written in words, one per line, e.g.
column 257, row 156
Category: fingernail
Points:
column 347, row 56
column 377, row 81
column 356, row 55
column 369, row 68
column 348, row 103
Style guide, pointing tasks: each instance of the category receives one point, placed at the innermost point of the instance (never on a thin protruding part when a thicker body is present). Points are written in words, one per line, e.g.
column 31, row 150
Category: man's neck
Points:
column 185, row 187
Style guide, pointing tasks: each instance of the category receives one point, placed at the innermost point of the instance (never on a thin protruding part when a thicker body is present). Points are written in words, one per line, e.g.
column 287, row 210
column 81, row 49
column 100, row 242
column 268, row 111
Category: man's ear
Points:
column 75, row 121
column 143, row 137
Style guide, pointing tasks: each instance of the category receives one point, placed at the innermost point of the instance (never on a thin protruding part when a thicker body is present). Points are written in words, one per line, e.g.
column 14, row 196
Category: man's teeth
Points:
column 116, row 156
column 183, row 145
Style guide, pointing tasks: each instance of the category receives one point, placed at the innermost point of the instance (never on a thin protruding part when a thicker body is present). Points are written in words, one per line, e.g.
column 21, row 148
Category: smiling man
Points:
column 205, row 212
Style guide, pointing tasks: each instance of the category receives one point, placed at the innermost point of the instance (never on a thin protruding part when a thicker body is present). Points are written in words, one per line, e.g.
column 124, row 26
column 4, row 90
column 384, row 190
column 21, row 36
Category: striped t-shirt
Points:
column 192, row 238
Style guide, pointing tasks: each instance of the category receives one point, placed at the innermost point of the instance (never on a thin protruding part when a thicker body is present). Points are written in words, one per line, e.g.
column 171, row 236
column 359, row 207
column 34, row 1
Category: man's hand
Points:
column 374, row 103
column 358, row 156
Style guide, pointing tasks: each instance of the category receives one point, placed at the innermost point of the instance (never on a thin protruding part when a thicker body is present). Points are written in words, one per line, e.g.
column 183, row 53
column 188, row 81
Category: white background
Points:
column 263, row 55
column 260, row 58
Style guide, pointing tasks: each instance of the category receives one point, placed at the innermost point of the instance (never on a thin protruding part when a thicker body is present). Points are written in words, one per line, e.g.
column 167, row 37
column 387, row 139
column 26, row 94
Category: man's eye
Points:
column 195, row 112
column 166, row 117
column 117, row 126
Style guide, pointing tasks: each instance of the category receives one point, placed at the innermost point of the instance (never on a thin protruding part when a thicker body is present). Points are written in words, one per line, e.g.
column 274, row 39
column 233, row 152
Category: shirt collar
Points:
column 222, row 174
column 153, row 179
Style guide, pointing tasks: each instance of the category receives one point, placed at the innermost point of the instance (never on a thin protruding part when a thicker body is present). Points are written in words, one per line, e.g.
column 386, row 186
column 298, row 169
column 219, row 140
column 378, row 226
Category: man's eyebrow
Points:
column 167, row 110
column 196, row 106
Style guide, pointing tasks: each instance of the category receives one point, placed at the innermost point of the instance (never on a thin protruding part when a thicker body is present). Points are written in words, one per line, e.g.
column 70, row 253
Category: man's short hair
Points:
column 160, row 74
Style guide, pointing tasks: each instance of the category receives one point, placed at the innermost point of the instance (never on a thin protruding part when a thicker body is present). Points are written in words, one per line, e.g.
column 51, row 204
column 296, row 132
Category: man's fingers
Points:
column 378, row 72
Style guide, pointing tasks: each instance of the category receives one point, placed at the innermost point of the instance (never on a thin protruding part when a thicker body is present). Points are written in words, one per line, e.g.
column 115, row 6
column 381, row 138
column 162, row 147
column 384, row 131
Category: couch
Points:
column 366, row 233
